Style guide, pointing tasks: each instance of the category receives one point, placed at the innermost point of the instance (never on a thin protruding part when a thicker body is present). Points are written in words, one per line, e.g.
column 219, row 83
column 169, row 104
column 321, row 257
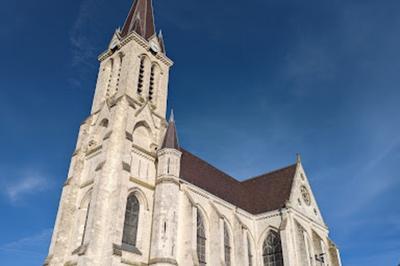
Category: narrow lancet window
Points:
column 227, row 245
column 152, row 83
column 272, row 250
column 141, row 76
column 85, row 225
column 201, row 240
column 131, row 221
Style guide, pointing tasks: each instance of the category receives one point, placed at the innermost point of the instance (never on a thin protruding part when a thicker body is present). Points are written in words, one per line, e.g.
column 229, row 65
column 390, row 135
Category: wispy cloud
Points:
column 82, row 47
column 29, row 184
column 31, row 245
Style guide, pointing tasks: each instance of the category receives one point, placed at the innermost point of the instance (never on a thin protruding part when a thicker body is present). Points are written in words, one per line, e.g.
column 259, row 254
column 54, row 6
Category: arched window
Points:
column 141, row 76
column 131, row 221
column 227, row 245
column 152, row 83
column 201, row 239
column 249, row 253
column 272, row 250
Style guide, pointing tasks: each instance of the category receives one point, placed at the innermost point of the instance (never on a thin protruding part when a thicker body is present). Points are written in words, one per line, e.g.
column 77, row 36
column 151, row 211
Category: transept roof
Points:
column 258, row 195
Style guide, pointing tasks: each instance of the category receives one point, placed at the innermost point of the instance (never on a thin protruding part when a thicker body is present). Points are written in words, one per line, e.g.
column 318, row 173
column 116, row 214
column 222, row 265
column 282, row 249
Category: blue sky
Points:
column 254, row 83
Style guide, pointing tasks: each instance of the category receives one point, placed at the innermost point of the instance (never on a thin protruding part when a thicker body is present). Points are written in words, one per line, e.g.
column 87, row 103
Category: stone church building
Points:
column 134, row 196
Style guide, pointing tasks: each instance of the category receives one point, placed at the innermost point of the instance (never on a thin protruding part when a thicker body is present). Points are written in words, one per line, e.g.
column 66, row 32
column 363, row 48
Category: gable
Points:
column 300, row 191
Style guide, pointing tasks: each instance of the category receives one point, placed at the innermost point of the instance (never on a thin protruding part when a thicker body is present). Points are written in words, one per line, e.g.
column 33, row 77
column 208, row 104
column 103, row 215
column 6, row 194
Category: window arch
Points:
column 131, row 221
column 272, row 250
column 227, row 246
column 201, row 239
column 142, row 135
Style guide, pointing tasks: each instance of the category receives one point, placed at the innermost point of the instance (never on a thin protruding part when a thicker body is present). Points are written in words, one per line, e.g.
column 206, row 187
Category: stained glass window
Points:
column 131, row 221
column 272, row 250
column 227, row 245
column 201, row 240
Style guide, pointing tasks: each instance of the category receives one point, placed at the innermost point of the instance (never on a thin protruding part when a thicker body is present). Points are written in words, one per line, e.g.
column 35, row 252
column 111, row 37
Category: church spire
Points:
column 140, row 20
column 171, row 137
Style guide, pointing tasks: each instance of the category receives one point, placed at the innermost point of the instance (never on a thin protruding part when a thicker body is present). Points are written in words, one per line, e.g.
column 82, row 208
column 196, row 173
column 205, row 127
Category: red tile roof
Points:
column 258, row 195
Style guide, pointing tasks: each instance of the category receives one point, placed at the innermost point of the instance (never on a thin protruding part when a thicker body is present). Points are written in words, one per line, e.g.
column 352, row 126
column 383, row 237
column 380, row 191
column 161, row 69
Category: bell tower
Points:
column 106, row 208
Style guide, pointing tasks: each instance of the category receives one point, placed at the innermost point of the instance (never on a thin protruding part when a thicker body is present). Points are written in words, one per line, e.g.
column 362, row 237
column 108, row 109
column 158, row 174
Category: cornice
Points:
column 142, row 42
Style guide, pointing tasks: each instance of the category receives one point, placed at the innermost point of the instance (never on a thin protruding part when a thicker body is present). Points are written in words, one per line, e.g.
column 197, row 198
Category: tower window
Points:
column 201, row 240
column 272, row 250
column 131, row 221
column 141, row 76
column 152, row 83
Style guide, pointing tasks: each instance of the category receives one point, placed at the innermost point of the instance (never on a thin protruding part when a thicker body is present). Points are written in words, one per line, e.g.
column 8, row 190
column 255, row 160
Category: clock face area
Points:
column 154, row 47
column 306, row 195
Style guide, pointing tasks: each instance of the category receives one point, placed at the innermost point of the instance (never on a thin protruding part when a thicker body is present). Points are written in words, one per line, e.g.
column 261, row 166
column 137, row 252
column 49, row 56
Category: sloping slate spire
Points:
column 140, row 20
column 171, row 137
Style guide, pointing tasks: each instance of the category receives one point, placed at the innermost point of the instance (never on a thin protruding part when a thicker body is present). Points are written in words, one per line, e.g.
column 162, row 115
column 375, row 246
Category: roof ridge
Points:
column 268, row 173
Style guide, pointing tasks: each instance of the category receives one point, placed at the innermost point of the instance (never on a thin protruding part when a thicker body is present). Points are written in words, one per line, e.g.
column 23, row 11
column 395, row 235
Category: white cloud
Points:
column 28, row 185
column 81, row 37
column 33, row 244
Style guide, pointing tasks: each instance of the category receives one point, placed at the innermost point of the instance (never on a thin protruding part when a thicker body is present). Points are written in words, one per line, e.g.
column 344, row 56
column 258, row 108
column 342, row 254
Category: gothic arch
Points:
column 264, row 234
column 145, row 56
column 86, row 199
column 228, row 243
column 142, row 135
column 204, row 213
column 202, row 237
column 141, row 196
column 131, row 221
column 142, row 124
column 304, row 244
column 272, row 254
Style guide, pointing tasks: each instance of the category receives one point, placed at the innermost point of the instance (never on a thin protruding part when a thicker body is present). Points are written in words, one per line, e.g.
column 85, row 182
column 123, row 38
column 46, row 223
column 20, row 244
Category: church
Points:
column 134, row 196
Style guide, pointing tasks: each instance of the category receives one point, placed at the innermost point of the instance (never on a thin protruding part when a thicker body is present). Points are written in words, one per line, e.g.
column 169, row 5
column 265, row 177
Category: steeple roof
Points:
column 140, row 20
column 171, row 137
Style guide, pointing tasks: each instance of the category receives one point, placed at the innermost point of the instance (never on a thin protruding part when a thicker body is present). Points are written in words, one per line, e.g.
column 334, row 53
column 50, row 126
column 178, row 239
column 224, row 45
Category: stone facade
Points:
column 120, row 152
